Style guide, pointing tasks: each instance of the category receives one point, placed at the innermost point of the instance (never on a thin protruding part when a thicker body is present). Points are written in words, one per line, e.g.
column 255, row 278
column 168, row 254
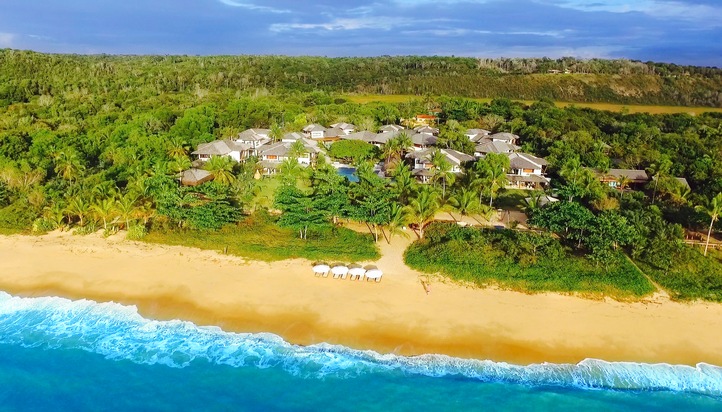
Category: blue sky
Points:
column 677, row 31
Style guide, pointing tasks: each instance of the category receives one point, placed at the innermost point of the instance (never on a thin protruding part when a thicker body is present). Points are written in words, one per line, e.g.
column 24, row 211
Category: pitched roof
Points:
column 509, row 137
column 391, row 128
column 457, row 157
column 314, row 128
column 426, row 129
column 344, row 126
column 472, row 132
column 253, row 134
column 194, row 177
column 293, row 136
column 490, row 146
column 424, row 139
column 525, row 161
column 365, row 135
column 219, row 147
column 281, row 149
column 334, row 132
column 631, row 174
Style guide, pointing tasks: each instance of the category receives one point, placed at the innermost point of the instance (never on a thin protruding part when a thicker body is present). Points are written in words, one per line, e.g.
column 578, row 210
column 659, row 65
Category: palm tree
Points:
column 221, row 167
column 126, row 207
column 178, row 165
column 423, row 208
column 442, row 170
column 491, row 172
column 713, row 209
column 403, row 182
column 78, row 207
column 659, row 170
column 68, row 165
column 104, row 210
column 398, row 219
column 622, row 183
column 465, row 202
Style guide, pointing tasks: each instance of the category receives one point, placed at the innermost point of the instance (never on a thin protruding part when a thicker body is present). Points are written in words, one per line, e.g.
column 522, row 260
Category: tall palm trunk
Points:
column 709, row 233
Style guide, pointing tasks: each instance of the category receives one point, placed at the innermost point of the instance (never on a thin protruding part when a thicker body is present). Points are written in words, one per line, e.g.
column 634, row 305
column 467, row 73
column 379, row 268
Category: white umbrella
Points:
column 374, row 274
column 321, row 269
column 357, row 271
column 339, row 271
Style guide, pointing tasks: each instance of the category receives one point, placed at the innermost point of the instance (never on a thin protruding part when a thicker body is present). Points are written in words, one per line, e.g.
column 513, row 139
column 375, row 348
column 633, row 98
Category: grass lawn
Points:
column 484, row 257
column 692, row 275
column 511, row 199
column 258, row 237
column 265, row 192
column 614, row 107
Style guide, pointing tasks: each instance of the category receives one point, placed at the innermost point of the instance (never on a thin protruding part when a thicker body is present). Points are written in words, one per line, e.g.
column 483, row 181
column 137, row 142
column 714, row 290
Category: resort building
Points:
column 487, row 145
column 314, row 131
column 253, row 139
column 422, row 141
column 423, row 168
column 427, row 129
column 391, row 128
column 273, row 155
column 612, row 177
column 526, row 171
column 220, row 148
column 475, row 135
column 346, row 128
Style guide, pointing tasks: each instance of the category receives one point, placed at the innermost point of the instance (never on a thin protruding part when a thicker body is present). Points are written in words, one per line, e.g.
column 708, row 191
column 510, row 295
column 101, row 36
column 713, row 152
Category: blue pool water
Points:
column 349, row 173
column 57, row 354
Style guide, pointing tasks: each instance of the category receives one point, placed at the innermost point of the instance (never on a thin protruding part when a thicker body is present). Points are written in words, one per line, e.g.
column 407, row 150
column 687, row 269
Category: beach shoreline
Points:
column 396, row 315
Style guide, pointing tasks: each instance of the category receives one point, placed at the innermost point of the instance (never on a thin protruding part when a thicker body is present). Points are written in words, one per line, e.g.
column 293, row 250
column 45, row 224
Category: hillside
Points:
column 26, row 74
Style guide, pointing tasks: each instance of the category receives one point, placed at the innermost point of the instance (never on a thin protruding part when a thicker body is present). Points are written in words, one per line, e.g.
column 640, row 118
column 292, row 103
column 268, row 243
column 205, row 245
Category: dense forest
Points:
column 25, row 74
column 98, row 142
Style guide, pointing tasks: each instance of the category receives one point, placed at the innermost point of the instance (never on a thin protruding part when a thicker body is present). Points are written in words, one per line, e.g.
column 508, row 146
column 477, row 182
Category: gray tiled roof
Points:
column 631, row 174
column 489, row 146
column 365, row 135
column 344, row 126
column 192, row 177
column 219, row 147
column 509, row 137
column 424, row 139
column 253, row 134
column 525, row 161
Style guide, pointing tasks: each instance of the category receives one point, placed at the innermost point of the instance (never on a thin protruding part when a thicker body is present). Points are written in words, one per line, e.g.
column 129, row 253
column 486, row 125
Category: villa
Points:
column 422, row 167
column 635, row 178
column 273, row 155
column 220, row 148
column 526, row 171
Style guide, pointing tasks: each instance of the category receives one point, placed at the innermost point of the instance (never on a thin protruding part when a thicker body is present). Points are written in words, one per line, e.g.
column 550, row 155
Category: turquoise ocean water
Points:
column 62, row 355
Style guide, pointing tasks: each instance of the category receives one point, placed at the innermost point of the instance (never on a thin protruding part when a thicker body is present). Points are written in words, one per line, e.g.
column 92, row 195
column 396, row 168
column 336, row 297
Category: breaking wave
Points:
column 119, row 332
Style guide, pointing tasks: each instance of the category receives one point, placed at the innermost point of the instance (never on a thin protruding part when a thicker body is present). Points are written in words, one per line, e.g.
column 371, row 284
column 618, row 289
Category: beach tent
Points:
column 339, row 271
column 321, row 269
column 356, row 271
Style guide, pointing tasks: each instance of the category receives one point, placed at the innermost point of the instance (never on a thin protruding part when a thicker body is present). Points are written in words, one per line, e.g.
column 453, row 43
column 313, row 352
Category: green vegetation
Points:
column 99, row 142
column 612, row 107
column 691, row 275
column 25, row 75
column 258, row 237
column 523, row 261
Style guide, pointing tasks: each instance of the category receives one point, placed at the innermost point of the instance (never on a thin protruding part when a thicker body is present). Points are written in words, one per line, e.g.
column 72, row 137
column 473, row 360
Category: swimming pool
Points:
column 349, row 173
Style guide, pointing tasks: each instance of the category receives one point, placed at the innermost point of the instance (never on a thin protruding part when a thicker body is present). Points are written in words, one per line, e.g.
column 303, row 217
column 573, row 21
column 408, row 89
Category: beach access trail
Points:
column 396, row 315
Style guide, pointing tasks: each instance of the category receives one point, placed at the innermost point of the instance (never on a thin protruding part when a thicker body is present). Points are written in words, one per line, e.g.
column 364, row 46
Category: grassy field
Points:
column 400, row 98
column 692, row 275
column 485, row 257
column 258, row 237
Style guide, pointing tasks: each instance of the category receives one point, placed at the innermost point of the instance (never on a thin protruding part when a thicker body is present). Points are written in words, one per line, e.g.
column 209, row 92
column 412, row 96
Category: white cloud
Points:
column 249, row 6
column 703, row 14
column 7, row 39
column 379, row 23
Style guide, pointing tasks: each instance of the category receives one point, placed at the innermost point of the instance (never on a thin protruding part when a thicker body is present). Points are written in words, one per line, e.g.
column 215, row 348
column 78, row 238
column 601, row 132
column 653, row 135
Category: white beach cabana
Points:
column 321, row 270
column 373, row 272
column 356, row 272
column 339, row 271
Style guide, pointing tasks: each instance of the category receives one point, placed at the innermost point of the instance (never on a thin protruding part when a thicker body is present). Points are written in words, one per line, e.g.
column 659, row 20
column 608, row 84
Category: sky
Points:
column 673, row 31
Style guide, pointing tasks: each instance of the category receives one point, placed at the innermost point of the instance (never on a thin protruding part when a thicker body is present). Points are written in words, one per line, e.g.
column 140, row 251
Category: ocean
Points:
column 63, row 355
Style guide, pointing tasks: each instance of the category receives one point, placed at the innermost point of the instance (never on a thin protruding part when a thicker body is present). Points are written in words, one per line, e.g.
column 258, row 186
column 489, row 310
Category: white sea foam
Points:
column 119, row 332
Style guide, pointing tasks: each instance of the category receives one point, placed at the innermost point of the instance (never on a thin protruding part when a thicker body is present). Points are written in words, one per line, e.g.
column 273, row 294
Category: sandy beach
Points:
column 395, row 315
